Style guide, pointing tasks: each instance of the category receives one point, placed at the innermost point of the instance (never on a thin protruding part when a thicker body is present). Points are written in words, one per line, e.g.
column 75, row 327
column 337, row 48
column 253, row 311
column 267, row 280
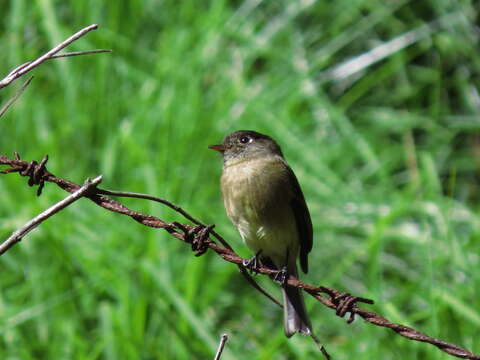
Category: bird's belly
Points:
column 261, row 211
column 274, row 242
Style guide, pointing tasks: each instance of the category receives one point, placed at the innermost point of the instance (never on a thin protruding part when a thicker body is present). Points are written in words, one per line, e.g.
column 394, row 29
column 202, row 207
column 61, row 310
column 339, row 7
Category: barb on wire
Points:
column 51, row 54
column 342, row 303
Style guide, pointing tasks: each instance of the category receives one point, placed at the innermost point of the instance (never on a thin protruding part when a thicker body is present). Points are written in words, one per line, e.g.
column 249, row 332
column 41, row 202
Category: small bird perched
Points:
column 263, row 199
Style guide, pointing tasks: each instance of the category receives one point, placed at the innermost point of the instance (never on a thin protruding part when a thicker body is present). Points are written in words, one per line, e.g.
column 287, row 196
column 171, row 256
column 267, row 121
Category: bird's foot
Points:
column 281, row 276
column 253, row 264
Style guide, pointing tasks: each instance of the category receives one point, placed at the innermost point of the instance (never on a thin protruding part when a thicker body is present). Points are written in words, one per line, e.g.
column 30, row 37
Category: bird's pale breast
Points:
column 257, row 196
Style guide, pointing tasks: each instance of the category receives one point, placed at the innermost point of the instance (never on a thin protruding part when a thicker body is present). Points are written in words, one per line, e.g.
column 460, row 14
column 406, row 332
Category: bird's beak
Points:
column 219, row 148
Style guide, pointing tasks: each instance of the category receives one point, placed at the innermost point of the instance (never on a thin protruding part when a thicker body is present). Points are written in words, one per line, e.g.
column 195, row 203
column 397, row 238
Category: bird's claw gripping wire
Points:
column 253, row 264
column 281, row 276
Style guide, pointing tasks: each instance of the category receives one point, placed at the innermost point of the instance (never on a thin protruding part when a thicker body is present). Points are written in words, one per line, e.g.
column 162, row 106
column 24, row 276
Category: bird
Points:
column 263, row 199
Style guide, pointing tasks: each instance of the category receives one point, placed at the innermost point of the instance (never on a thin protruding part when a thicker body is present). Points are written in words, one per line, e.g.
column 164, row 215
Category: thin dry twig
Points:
column 26, row 67
column 320, row 346
column 19, row 92
column 79, row 53
column 32, row 224
column 198, row 237
column 221, row 346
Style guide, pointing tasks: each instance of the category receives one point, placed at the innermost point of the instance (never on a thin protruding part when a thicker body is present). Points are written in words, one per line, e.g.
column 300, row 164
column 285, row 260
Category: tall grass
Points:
column 386, row 152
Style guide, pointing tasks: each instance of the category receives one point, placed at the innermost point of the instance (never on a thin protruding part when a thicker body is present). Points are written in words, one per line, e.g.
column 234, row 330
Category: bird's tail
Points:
column 295, row 314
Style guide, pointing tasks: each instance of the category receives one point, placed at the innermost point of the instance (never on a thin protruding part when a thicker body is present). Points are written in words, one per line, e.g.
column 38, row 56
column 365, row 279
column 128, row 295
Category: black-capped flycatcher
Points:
column 263, row 199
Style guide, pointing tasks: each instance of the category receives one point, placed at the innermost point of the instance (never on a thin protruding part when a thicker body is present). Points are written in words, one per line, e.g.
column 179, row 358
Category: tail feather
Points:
column 295, row 313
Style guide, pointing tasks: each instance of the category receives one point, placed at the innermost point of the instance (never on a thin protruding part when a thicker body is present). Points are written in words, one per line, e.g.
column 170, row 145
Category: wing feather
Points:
column 302, row 219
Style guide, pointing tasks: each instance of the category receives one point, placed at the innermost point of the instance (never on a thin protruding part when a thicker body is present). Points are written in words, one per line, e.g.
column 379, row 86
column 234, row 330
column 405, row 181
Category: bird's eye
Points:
column 245, row 139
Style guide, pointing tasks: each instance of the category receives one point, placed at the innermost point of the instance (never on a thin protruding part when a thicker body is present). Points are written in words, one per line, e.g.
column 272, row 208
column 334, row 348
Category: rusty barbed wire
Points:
column 198, row 236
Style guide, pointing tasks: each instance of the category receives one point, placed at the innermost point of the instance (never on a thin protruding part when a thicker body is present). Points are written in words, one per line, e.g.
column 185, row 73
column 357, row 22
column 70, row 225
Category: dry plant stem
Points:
column 24, row 68
column 320, row 346
column 221, row 346
column 324, row 352
column 79, row 53
column 37, row 220
column 10, row 102
column 331, row 300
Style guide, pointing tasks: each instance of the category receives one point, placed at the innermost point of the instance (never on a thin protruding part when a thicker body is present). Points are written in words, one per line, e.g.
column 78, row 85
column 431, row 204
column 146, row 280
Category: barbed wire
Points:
column 199, row 236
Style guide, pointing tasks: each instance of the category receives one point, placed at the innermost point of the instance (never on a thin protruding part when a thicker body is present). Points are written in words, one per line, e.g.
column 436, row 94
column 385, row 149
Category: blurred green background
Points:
column 376, row 105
